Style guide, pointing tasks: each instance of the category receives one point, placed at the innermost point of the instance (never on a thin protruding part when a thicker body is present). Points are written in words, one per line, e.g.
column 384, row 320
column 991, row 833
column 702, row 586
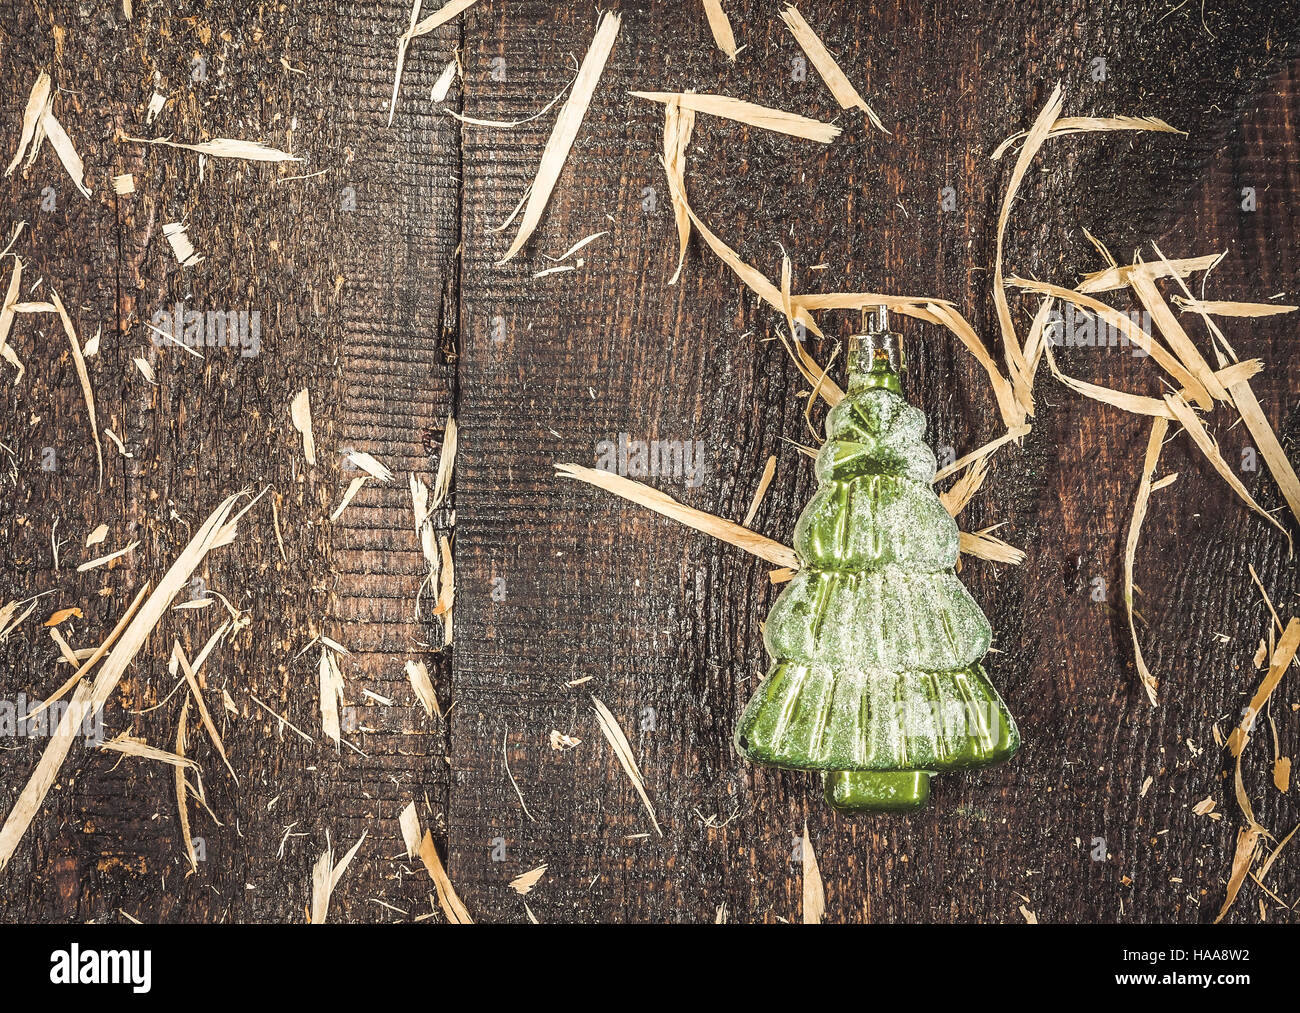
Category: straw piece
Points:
column 409, row 822
column 1217, row 307
column 523, row 885
column 749, row 113
column 566, row 127
column 1274, row 456
column 1195, row 428
column 1136, row 404
column 983, row 545
column 814, row 894
column 982, row 452
column 1087, row 124
column 1016, row 364
column 104, row 560
column 678, row 125
column 623, row 750
column 222, row 147
column 661, row 503
column 755, row 280
column 1283, row 655
column 84, row 376
column 181, row 246
column 1155, row 442
column 182, row 791
column 63, row 147
column 38, row 101
column 452, row 906
column 440, row 17
column 446, row 465
column 720, row 26
column 829, row 71
column 1125, row 325
column 1207, row 385
column 300, row 415
column 204, row 715
column 418, row 674
column 769, row 469
column 353, row 488
column 1113, row 278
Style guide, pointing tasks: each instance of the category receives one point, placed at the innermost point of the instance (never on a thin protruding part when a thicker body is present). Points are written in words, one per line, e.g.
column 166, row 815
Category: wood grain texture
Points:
column 395, row 313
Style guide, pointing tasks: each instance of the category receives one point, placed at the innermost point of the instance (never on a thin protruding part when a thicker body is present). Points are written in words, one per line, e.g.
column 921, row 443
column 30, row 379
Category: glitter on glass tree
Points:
column 875, row 643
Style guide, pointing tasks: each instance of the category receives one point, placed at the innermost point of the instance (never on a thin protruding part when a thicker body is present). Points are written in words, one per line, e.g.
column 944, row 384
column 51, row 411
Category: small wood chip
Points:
column 623, row 751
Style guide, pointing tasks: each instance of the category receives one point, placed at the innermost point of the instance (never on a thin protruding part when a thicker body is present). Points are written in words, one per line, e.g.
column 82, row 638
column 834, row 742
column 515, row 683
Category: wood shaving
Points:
column 1205, row 385
column 83, row 375
column 1065, row 125
column 182, row 791
column 764, row 481
column 409, row 822
column 97, row 536
column 446, row 590
column 443, row 85
column 436, row 20
column 63, row 147
column 216, row 531
column 1219, row 308
column 566, row 129
column 523, row 885
column 325, row 876
column 1113, row 278
column 1279, row 465
column 1195, row 428
column 662, row 503
column 446, row 465
column 814, row 894
column 1154, row 444
column 749, row 113
column 623, row 751
column 331, row 696
column 679, row 123
column 720, row 26
column 204, row 715
column 222, row 147
column 1017, row 366
column 105, row 560
column 1126, row 326
column 353, row 488
column 829, row 71
column 38, row 102
column 128, row 745
column 370, row 466
column 1283, row 655
column 181, row 246
column 402, row 42
column 561, row 742
column 418, row 674
column 451, row 904
column 982, row 452
column 300, row 415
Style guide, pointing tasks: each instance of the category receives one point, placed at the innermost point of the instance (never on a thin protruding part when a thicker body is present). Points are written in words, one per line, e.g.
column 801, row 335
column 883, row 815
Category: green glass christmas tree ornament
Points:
column 875, row 643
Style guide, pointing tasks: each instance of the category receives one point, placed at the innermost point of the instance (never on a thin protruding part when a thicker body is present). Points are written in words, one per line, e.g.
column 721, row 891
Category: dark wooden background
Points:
column 390, row 314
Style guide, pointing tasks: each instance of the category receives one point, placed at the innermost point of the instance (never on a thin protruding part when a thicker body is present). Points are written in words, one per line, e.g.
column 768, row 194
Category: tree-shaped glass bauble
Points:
column 876, row 644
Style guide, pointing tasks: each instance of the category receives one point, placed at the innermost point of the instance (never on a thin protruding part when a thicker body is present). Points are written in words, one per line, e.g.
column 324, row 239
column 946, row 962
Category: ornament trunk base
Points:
column 868, row 791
